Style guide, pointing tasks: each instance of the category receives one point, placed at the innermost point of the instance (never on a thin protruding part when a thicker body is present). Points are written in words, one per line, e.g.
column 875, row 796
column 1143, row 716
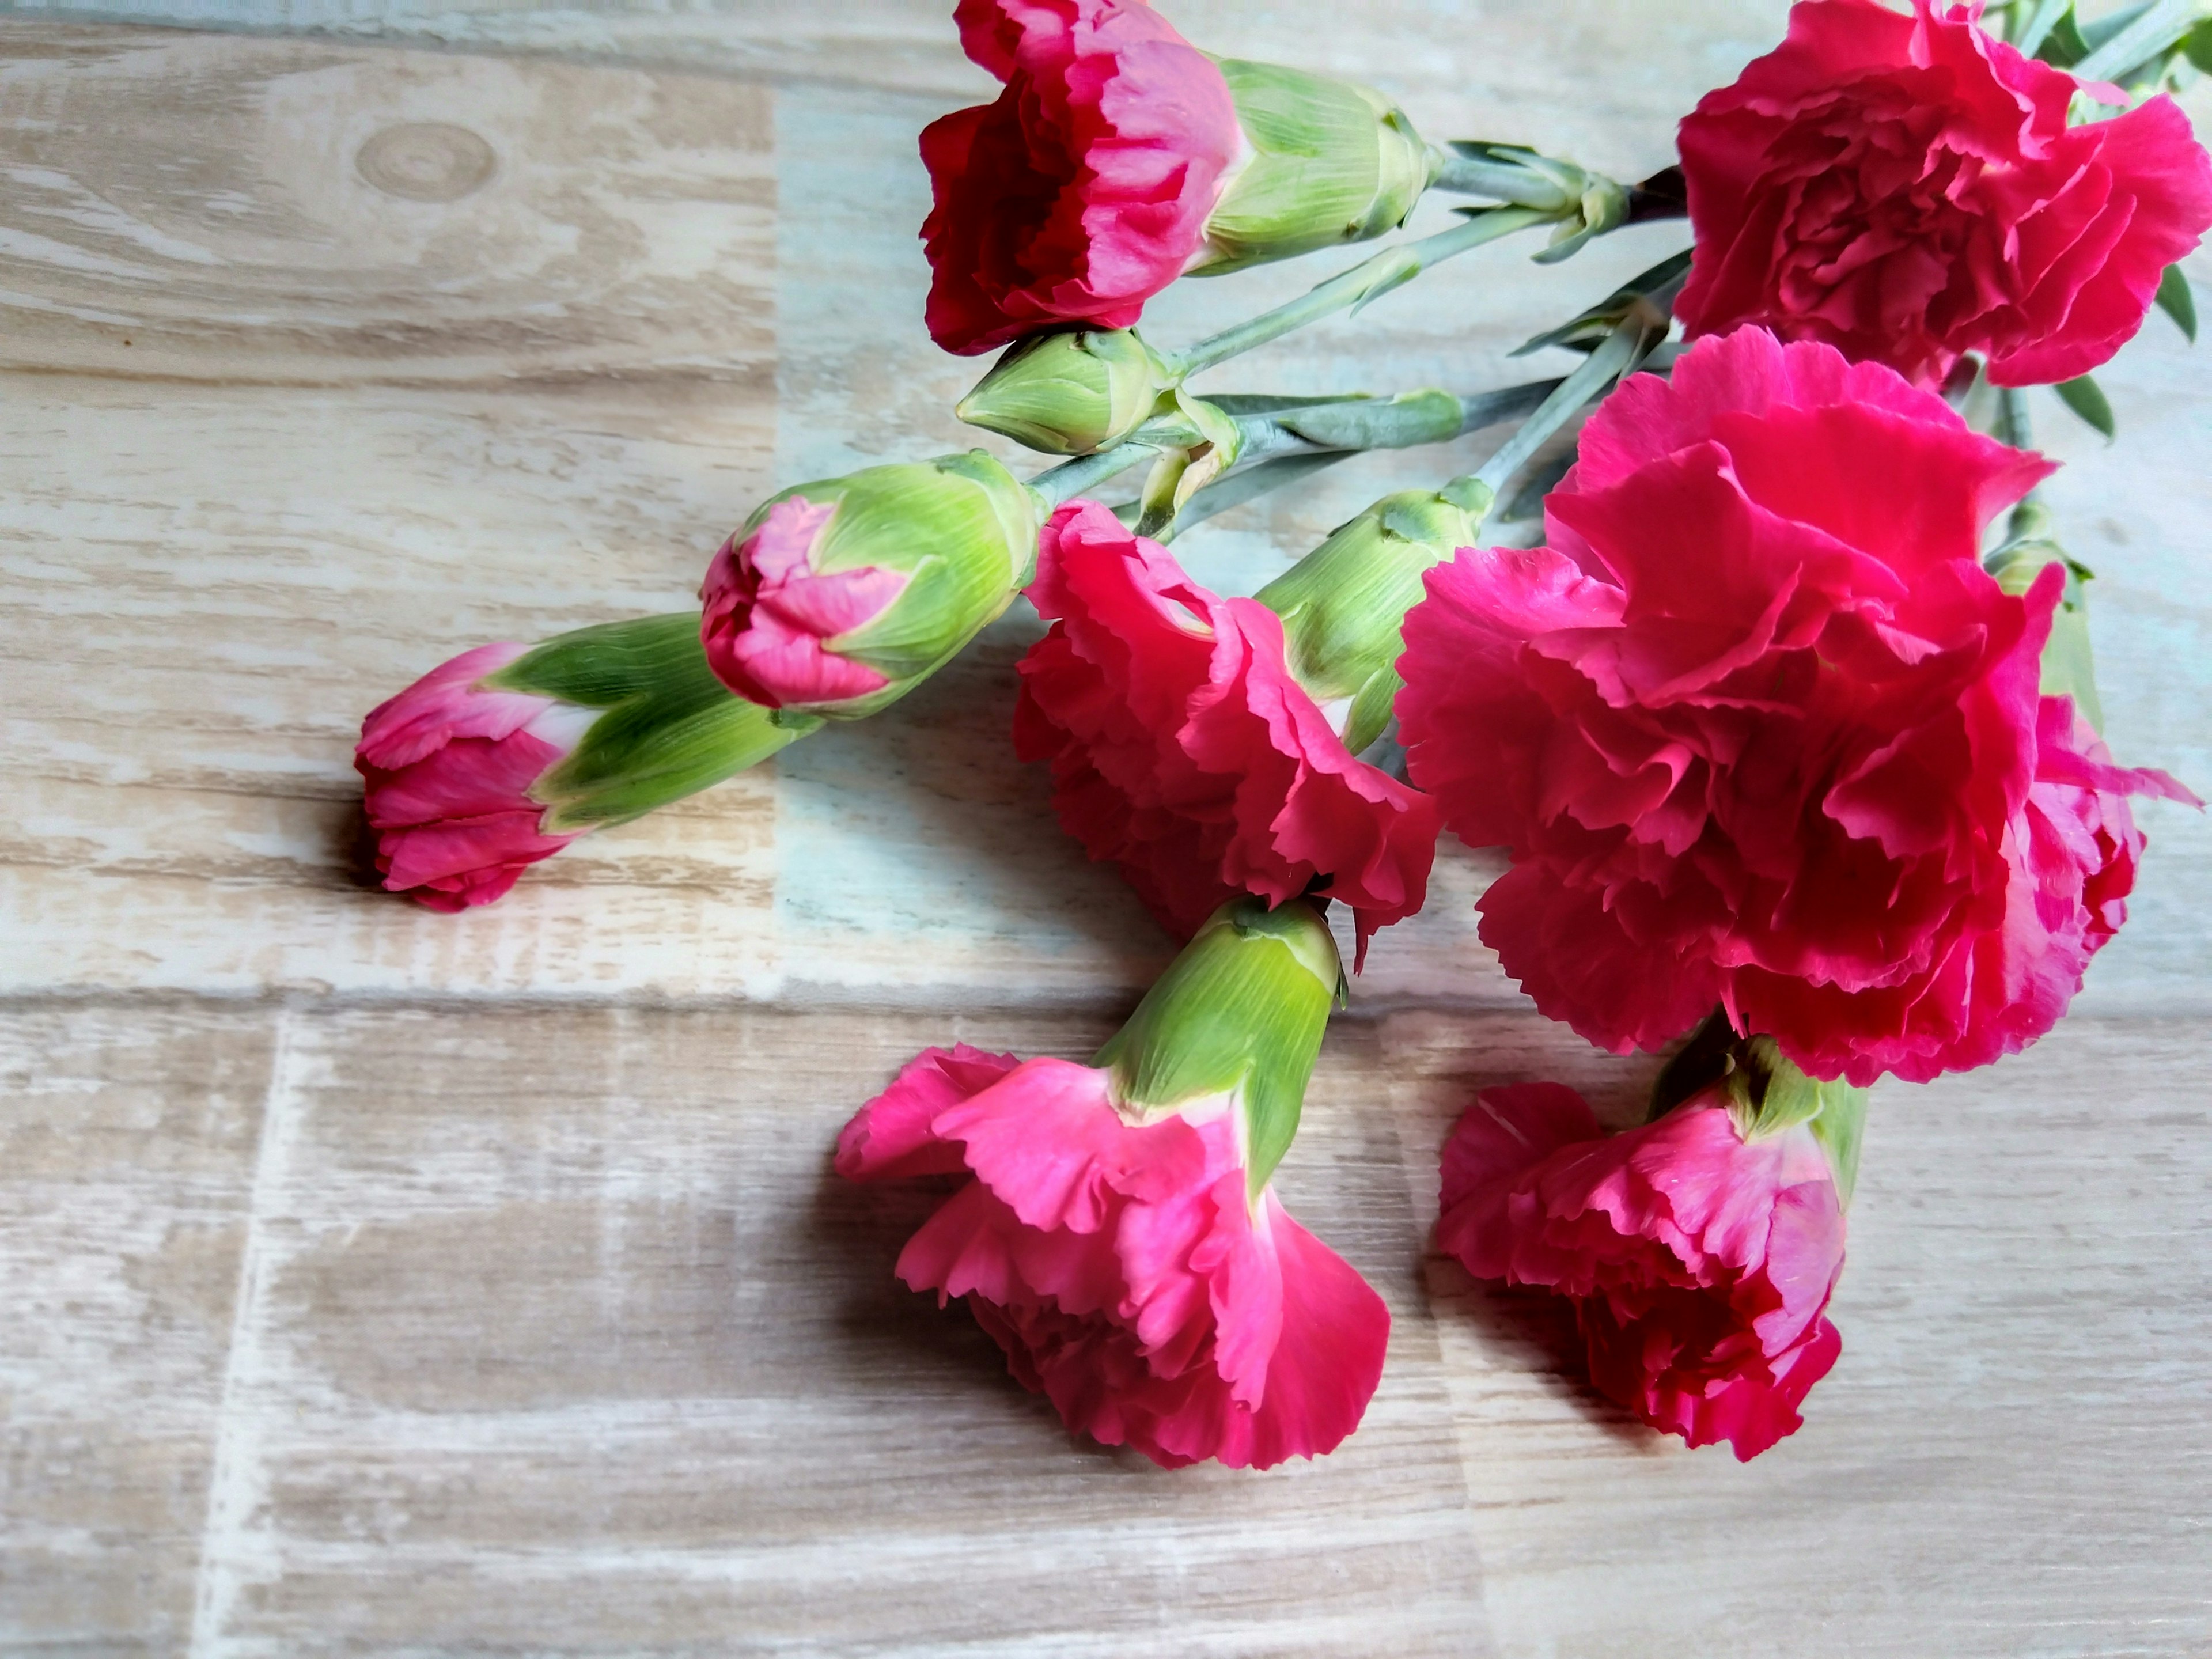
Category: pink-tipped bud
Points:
column 839, row 597
column 449, row 764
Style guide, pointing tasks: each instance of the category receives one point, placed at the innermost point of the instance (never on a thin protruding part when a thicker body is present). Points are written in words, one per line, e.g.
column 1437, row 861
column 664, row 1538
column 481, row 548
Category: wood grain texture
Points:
column 381, row 1282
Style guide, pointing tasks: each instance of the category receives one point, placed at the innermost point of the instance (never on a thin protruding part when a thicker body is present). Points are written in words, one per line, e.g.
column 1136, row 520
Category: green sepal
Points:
column 1239, row 1013
column 1343, row 604
column 2069, row 667
column 2087, row 399
column 1766, row 1094
column 670, row 728
column 1070, row 393
column 1595, row 326
column 1332, row 161
column 961, row 528
column 2175, row 298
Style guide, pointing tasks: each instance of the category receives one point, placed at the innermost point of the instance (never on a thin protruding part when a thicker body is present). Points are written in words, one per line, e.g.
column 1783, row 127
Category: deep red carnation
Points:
column 1084, row 189
column 1907, row 188
column 1700, row 1264
column 1759, row 731
column 1183, row 751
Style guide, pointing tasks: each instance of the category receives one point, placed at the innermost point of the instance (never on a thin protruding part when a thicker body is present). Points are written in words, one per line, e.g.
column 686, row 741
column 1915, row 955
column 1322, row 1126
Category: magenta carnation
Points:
column 1084, row 189
column 1758, row 731
column 447, row 767
column 768, row 617
column 1123, row 1266
column 1907, row 188
column 1184, row 752
column 1699, row 1265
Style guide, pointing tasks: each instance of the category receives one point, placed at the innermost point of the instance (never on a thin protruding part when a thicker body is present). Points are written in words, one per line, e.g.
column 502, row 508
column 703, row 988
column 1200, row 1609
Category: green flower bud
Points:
column 1240, row 1013
column 838, row 597
column 669, row 727
column 1332, row 161
column 2069, row 669
column 1069, row 393
column 1343, row 604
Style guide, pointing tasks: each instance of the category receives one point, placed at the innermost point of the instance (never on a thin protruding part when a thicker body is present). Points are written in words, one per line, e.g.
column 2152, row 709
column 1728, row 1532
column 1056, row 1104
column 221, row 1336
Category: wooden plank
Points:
column 314, row 214
column 2009, row 1458
column 569, row 1340
column 129, row 1138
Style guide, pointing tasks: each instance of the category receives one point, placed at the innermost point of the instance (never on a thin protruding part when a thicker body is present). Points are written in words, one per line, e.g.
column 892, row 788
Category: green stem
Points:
column 2012, row 425
column 1624, row 348
column 1068, row 480
column 2153, row 33
column 1275, row 453
column 1351, row 289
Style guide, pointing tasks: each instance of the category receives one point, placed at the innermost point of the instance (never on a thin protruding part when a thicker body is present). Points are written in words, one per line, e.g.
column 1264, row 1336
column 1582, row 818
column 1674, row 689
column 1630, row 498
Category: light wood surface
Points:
column 375, row 1281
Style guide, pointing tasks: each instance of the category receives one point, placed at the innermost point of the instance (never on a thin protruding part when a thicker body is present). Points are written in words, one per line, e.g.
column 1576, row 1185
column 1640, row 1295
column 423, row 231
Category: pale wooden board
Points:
column 484, row 1291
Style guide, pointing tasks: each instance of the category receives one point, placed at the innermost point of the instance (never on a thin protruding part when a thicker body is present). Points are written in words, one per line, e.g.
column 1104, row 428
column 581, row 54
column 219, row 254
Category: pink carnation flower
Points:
column 1084, row 189
column 1699, row 1265
column 1124, row 1268
column 1907, row 188
column 1758, row 730
column 770, row 623
column 1183, row 751
column 448, row 767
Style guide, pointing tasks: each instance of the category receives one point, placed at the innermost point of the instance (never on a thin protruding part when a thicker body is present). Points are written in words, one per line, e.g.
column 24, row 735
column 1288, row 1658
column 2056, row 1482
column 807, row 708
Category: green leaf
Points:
column 2063, row 46
column 2177, row 301
column 2087, row 399
column 2197, row 47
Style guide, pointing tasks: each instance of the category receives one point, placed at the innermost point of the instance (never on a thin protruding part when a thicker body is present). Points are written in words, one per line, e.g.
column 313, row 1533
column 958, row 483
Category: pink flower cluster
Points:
column 1759, row 733
column 1125, row 1269
column 1762, row 740
column 1184, row 751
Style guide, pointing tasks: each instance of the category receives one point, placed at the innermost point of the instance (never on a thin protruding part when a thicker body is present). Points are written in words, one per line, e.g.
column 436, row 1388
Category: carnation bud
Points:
column 1238, row 1014
column 1069, row 393
column 2069, row 669
column 838, row 597
column 1343, row 605
column 1332, row 161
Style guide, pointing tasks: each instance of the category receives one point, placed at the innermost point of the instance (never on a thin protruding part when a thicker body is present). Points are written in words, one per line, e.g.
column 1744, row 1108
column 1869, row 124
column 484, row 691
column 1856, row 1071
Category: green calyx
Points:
column 1343, row 604
column 1585, row 204
column 1070, row 393
column 1332, row 161
column 1766, row 1094
column 2069, row 669
column 962, row 528
column 1239, row 1014
column 669, row 729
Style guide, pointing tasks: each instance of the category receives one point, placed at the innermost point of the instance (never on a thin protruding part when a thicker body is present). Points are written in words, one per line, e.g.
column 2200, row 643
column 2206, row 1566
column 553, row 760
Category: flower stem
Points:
column 1064, row 483
column 1628, row 344
column 1367, row 281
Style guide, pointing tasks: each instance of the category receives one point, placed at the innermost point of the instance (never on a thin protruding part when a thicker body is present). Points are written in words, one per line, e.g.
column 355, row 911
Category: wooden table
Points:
column 387, row 1282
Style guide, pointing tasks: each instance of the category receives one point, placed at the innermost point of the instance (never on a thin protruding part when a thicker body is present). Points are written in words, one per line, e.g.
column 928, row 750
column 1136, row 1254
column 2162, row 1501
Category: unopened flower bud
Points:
column 1331, row 161
column 507, row 753
column 838, row 597
column 1343, row 604
column 1237, row 1016
column 1069, row 393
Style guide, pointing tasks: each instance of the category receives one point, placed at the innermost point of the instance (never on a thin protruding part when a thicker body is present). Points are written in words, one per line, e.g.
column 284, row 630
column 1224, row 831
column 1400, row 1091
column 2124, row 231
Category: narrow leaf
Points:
column 2176, row 301
column 2087, row 399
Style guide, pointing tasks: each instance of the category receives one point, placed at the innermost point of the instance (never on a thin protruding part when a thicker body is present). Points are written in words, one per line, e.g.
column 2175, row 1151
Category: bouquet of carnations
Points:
column 1787, row 726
